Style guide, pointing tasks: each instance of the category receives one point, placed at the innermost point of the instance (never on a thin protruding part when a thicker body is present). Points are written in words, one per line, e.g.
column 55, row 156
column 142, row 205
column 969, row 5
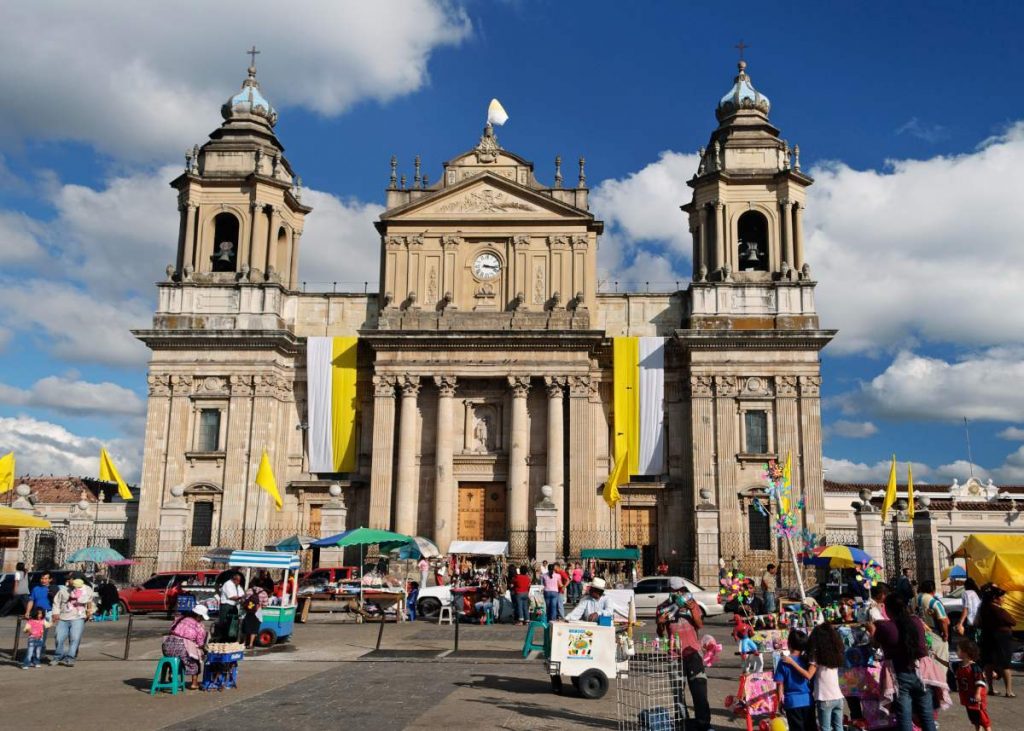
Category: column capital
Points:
column 786, row 203
column 810, row 385
column 410, row 386
column 582, row 386
column 384, row 386
column 520, row 386
column 785, row 386
column 159, row 384
column 701, row 386
column 726, row 386
column 554, row 386
column 446, row 385
column 181, row 385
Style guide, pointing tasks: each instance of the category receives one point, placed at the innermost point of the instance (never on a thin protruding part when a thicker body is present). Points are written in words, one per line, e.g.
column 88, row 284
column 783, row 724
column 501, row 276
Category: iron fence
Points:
column 899, row 550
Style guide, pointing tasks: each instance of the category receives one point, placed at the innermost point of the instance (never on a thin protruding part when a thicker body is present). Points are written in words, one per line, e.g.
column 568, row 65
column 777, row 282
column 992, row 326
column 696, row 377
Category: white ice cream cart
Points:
column 586, row 653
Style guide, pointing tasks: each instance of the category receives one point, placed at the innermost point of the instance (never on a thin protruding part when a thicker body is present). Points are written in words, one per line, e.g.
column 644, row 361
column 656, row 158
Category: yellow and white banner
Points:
column 639, row 403
column 331, row 403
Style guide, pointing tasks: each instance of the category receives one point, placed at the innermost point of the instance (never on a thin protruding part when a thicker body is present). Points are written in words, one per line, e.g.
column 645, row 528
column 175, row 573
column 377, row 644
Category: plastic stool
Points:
column 489, row 615
column 445, row 615
column 529, row 644
column 177, row 671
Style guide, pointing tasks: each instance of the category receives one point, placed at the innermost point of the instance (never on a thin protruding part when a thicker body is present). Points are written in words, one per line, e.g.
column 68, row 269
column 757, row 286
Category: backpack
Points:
column 251, row 603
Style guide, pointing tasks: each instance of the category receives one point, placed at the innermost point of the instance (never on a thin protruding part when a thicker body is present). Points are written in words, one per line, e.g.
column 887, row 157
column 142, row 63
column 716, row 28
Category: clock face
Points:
column 486, row 266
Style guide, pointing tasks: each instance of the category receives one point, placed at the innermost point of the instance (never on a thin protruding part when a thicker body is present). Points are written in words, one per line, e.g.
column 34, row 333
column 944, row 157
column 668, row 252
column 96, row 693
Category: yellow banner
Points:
column 626, row 401
column 343, row 403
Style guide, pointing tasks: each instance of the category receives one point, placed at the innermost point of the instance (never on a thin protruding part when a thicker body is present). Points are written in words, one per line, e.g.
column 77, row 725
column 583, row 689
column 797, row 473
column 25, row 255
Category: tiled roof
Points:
column 69, row 489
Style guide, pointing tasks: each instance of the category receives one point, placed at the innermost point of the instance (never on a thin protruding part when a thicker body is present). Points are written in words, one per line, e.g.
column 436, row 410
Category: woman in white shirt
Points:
column 968, row 624
column 827, row 656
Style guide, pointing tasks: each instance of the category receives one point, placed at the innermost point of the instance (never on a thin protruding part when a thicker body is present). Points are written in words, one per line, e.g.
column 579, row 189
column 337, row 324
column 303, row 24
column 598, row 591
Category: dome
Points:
column 250, row 101
column 742, row 95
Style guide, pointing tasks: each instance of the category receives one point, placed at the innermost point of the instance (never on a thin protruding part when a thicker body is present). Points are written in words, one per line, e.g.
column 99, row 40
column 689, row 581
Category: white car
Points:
column 653, row 590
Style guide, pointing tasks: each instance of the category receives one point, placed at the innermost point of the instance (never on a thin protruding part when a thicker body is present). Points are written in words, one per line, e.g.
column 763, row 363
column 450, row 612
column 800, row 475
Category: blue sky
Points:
column 906, row 114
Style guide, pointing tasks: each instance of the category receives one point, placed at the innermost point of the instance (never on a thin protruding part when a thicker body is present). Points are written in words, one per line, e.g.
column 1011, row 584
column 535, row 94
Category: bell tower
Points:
column 240, row 200
column 750, row 338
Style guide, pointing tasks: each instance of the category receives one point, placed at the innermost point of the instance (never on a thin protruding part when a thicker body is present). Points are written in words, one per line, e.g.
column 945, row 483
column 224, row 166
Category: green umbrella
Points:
column 365, row 537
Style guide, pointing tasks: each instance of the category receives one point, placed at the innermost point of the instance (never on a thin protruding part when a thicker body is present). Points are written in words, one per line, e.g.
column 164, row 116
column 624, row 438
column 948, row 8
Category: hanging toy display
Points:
column 737, row 586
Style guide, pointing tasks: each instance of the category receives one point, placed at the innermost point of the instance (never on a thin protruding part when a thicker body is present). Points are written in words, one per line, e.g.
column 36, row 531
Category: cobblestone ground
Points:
column 329, row 676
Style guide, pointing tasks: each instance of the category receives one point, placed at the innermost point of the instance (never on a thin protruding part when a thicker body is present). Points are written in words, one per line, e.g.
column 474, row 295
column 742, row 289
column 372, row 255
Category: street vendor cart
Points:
column 278, row 619
column 587, row 654
column 494, row 553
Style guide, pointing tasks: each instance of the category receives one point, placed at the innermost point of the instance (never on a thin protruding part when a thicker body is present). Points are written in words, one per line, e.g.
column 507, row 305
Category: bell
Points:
column 226, row 248
column 751, row 257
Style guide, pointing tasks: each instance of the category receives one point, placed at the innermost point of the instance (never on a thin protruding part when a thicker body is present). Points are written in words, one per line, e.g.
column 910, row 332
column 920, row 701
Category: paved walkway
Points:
column 330, row 676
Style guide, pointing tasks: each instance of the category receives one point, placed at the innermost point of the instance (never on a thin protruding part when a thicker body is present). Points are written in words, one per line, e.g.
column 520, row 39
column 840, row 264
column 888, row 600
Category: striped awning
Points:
column 255, row 559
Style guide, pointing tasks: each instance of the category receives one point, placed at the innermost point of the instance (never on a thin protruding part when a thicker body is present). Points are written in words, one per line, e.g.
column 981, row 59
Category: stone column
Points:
column 189, row 249
column 810, row 451
column 275, row 222
column 584, row 497
column 702, row 242
column 174, row 527
column 406, row 506
column 382, row 459
column 556, row 450
column 333, row 520
column 869, row 529
column 549, row 532
column 787, row 232
column 292, row 279
column 266, row 409
column 702, row 428
column 445, row 504
column 705, row 525
column 518, row 470
column 726, row 390
column 787, row 428
column 719, row 234
column 798, row 235
column 154, row 454
column 236, row 455
column 926, row 544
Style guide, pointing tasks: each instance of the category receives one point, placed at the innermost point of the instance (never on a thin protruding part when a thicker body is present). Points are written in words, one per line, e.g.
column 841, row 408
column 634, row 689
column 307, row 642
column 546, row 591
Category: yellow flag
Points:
column 618, row 476
column 108, row 473
column 265, row 479
column 787, row 483
column 910, row 493
column 890, row 491
column 6, row 472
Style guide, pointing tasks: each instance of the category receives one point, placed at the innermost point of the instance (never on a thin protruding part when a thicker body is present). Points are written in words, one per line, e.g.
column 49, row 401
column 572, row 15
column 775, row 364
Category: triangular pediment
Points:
column 486, row 195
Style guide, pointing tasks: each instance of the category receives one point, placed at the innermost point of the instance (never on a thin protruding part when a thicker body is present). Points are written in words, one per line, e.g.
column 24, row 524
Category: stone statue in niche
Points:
column 482, row 434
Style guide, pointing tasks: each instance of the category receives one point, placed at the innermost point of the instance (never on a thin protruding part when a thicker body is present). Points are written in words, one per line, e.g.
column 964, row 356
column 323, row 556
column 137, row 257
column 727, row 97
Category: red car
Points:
column 159, row 593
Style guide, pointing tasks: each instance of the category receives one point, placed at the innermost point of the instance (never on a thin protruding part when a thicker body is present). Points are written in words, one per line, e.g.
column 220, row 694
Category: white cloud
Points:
column 19, row 239
column 851, row 429
column 74, row 324
column 339, row 243
column 42, row 448
column 923, row 130
column 984, row 386
column 1012, row 433
column 72, row 396
column 142, row 79
column 844, row 470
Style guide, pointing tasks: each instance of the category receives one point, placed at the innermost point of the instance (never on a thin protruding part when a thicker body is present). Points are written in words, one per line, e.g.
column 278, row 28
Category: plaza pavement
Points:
column 329, row 676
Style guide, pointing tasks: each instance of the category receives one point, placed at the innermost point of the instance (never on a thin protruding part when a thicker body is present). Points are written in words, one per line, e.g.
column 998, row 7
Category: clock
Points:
column 486, row 266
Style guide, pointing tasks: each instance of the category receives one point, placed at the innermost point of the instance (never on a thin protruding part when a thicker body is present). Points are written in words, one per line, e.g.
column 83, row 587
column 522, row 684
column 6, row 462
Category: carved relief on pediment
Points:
column 485, row 200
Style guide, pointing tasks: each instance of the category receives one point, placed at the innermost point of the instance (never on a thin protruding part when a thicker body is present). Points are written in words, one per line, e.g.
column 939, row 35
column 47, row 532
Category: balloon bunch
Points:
column 736, row 586
column 710, row 650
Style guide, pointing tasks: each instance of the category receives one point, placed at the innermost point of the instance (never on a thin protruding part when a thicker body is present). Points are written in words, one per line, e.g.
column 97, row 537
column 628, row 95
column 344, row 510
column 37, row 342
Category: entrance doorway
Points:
column 482, row 508
column 638, row 527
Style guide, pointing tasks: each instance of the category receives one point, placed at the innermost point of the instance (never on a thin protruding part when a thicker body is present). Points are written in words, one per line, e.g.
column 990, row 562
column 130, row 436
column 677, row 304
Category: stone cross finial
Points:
column 742, row 46
column 583, row 174
column 558, row 171
column 252, row 53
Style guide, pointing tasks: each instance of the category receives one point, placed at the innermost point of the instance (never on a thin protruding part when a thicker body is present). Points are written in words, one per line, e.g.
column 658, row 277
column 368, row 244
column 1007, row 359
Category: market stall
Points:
column 278, row 616
column 470, row 564
column 616, row 565
column 371, row 596
column 997, row 558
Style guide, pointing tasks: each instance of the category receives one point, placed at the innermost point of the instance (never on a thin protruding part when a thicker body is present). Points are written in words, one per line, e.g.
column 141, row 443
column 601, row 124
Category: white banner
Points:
column 652, row 406
column 318, row 404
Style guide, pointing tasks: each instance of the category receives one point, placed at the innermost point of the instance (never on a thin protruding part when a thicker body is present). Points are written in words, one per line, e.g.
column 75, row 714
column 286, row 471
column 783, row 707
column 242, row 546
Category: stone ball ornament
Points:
column 177, row 491
column 23, row 490
column 547, row 491
column 334, row 490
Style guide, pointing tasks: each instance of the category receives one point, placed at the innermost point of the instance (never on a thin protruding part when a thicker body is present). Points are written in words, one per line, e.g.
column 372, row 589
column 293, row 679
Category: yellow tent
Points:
column 997, row 558
column 11, row 518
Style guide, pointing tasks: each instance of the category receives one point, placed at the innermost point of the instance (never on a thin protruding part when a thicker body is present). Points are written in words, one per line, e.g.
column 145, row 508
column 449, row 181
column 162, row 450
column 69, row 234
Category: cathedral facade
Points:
column 483, row 366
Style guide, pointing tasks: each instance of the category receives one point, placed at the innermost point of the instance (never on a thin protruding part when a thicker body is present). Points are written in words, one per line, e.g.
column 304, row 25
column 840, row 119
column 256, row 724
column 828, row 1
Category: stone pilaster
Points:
column 926, row 545
column 720, row 258
column 265, row 416
column 584, row 497
column 787, row 232
column 333, row 520
column 174, row 527
column 787, row 429
column 813, row 477
column 407, row 480
column 798, row 236
column 549, row 531
column 445, row 503
column 518, row 470
column 727, row 446
column 275, row 222
column 238, row 444
column 178, row 429
column 382, row 457
column 155, row 452
column 556, row 450
column 705, row 525
column 869, row 532
column 703, row 429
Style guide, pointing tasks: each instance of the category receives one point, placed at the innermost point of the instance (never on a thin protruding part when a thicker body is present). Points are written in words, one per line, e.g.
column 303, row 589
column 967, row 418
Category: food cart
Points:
column 432, row 598
column 278, row 619
column 586, row 653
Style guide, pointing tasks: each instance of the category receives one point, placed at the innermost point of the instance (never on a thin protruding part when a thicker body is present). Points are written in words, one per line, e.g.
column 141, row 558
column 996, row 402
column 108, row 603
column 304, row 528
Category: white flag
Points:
column 496, row 113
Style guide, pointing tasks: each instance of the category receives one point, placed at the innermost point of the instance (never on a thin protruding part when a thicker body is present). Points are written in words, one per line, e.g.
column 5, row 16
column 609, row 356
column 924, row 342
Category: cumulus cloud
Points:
column 984, row 386
column 851, row 429
column 72, row 396
column 145, row 79
column 844, row 470
column 45, row 448
column 19, row 239
column 1013, row 433
column 339, row 242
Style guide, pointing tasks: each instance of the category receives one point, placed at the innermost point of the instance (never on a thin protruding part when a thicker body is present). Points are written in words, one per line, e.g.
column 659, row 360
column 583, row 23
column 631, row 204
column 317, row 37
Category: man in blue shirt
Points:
column 40, row 597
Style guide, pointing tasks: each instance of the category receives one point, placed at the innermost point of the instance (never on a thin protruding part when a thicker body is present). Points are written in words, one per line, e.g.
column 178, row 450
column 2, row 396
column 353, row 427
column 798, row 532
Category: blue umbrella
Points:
column 955, row 572
column 95, row 554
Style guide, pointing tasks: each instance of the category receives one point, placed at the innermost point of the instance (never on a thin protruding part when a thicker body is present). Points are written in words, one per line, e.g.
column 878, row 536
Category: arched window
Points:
column 753, row 242
column 282, row 250
column 225, row 243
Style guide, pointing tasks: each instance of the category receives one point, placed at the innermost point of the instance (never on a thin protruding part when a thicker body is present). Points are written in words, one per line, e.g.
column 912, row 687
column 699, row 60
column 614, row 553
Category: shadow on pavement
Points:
column 506, row 684
column 547, row 713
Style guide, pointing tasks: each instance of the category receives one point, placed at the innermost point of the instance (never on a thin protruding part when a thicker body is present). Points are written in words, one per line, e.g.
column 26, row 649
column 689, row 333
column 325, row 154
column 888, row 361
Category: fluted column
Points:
column 445, row 503
column 236, row 452
column 584, row 498
column 798, row 236
column 382, row 456
column 188, row 257
column 719, row 234
column 787, row 232
column 701, row 260
column 518, row 471
column 726, row 390
column 408, row 475
column 813, row 479
column 275, row 222
column 556, row 451
column 154, row 456
column 703, row 430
